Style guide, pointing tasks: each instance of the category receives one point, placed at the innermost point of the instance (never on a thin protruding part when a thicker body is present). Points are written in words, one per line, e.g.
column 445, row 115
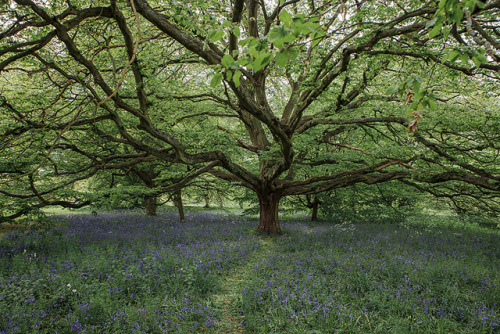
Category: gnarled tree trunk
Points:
column 269, row 222
column 150, row 205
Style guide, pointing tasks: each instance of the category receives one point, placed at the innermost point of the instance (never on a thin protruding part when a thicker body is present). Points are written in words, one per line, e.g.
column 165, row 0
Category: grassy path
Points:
column 230, row 293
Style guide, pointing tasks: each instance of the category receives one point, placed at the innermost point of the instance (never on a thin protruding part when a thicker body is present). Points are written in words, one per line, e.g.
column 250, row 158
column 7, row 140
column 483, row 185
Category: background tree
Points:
column 207, row 190
column 294, row 86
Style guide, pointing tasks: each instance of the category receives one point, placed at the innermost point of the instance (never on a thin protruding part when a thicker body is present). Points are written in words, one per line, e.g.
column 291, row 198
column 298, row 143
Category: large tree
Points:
column 301, row 97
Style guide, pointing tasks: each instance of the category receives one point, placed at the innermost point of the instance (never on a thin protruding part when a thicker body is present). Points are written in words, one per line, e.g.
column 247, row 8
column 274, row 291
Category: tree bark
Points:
column 268, row 221
column 179, row 205
column 151, row 205
column 315, row 205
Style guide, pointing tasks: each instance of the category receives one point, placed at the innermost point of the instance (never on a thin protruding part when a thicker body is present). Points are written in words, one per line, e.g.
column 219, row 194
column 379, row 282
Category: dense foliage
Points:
column 285, row 98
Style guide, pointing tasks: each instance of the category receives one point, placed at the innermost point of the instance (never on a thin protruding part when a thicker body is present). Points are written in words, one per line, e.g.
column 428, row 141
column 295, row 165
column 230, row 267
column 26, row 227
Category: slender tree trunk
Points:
column 179, row 205
column 315, row 205
column 150, row 204
column 207, row 201
column 268, row 221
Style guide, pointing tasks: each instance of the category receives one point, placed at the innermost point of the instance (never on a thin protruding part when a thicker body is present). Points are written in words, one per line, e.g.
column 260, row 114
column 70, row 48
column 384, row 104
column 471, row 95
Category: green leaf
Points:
column 260, row 45
column 464, row 59
column 431, row 22
column 243, row 61
column 454, row 56
column 416, row 86
column 391, row 90
column 261, row 61
column 454, row 12
column 236, row 78
column 300, row 28
column 415, row 105
column 216, row 80
column 420, row 95
column 402, row 89
column 451, row 6
column 245, row 41
column 432, row 104
column 299, row 17
column 282, row 58
column 451, row 56
column 445, row 58
column 226, row 61
column 317, row 37
column 285, row 16
column 425, row 102
column 293, row 53
column 478, row 57
column 446, row 32
column 476, row 61
column 216, row 36
column 436, row 30
column 459, row 14
column 470, row 4
column 237, row 32
column 306, row 28
column 252, row 43
column 280, row 35
column 229, row 75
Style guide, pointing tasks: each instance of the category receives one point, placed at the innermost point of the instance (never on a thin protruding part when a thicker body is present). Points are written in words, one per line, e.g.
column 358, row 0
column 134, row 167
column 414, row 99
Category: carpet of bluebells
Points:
column 119, row 273
column 376, row 278
column 126, row 273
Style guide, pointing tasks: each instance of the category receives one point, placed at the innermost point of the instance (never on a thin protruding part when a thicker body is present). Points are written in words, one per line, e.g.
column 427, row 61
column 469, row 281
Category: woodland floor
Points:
column 120, row 272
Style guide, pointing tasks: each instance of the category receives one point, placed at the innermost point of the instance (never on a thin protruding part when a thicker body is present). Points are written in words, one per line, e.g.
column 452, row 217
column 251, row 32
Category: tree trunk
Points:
column 150, row 204
column 315, row 205
column 268, row 221
column 207, row 201
column 179, row 205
